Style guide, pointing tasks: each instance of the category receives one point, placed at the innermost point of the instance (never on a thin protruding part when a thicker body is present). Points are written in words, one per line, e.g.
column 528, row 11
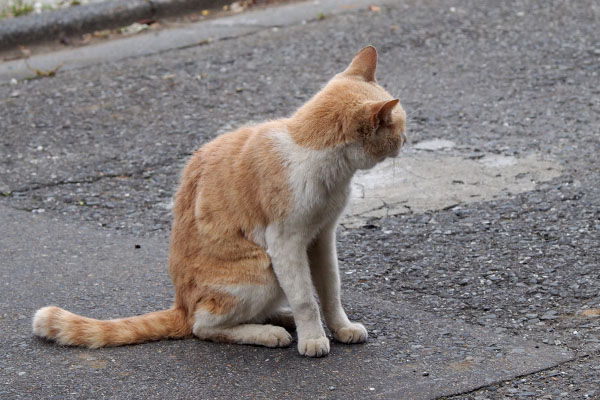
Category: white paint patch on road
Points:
column 498, row 161
column 420, row 181
column 435, row 144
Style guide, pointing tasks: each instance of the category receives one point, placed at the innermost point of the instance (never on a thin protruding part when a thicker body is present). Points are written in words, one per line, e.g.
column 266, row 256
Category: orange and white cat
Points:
column 254, row 227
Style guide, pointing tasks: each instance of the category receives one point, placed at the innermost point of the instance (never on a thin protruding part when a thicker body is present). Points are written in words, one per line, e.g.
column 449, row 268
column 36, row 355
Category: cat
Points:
column 254, row 227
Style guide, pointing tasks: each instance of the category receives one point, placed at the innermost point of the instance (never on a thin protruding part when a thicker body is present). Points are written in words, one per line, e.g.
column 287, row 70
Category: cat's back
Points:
column 247, row 145
column 239, row 179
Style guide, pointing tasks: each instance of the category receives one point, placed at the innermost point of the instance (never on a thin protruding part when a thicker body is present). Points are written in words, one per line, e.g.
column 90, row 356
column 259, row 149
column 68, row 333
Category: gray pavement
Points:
column 189, row 35
column 62, row 23
column 493, row 227
column 103, row 274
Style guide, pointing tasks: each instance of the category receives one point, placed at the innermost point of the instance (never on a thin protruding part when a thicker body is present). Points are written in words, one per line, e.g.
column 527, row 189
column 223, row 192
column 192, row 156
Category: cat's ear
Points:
column 380, row 112
column 363, row 64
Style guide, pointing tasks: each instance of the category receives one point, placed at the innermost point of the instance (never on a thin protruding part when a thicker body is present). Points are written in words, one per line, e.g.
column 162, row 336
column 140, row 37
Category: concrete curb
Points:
column 194, row 34
column 52, row 25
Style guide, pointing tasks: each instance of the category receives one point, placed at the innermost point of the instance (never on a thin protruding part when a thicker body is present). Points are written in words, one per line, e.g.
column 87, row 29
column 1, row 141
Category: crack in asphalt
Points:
column 86, row 180
column 93, row 179
column 559, row 363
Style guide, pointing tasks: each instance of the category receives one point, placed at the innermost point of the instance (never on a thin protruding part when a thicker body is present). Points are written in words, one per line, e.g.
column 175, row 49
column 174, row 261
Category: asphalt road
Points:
column 103, row 145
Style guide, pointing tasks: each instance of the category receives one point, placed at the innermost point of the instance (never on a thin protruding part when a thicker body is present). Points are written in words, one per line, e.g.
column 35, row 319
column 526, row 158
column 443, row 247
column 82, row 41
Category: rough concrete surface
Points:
column 190, row 35
column 57, row 24
column 108, row 276
column 506, row 84
column 434, row 180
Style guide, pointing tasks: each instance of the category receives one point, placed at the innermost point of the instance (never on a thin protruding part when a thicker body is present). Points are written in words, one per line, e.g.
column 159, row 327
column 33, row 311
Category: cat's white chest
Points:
column 319, row 182
column 308, row 218
column 320, row 185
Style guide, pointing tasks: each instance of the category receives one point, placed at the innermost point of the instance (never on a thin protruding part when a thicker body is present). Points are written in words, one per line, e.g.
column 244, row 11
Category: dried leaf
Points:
column 41, row 73
column 25, row 51
column 102, row 34
column 238, row 7
column 133, row 29
column 590, row 313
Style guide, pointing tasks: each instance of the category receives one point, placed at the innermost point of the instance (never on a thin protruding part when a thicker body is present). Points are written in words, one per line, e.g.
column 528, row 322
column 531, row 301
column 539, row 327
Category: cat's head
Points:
column 352, row 110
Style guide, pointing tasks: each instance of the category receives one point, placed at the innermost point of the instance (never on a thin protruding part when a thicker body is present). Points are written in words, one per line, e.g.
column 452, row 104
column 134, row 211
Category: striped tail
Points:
column 66, row 328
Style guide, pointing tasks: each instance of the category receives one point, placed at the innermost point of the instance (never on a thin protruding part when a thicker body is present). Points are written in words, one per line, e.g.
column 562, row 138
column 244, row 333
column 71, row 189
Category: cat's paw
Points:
column 318, row 347
column 275, row 336
column 352, row 333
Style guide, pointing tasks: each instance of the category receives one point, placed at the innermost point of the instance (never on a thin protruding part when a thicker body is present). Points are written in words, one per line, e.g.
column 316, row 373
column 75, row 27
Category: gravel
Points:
column 106, row 145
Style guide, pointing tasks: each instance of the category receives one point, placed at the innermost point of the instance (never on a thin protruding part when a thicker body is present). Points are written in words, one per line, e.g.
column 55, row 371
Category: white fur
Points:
column 302, row 250
column 254, row 303
column 40, row 322
column 319, row 179
column 320, row 182
column 258, row 236
column 257, row 334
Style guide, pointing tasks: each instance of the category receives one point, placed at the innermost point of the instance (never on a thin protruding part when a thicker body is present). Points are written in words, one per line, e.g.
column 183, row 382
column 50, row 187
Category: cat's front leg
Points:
column 290, row 263
column 324, row 268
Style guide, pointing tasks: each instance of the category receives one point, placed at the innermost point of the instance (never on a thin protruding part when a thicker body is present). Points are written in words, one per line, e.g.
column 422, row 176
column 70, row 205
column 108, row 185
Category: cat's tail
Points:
column 67, row 328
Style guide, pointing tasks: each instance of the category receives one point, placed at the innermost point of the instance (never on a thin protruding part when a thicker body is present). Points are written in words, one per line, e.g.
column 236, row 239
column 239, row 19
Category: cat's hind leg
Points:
column 253, row 334
column 238, row 321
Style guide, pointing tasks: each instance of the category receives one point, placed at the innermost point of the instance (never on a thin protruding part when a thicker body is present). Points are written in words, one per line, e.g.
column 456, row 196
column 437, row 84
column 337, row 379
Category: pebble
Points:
column 506, row 218
column 549, row 315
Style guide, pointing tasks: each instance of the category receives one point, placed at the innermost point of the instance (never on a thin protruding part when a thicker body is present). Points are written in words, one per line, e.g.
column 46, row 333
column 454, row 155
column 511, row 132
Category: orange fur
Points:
column 71, row 329
column 243, row 186
column 345, row 105
column 231, row 190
